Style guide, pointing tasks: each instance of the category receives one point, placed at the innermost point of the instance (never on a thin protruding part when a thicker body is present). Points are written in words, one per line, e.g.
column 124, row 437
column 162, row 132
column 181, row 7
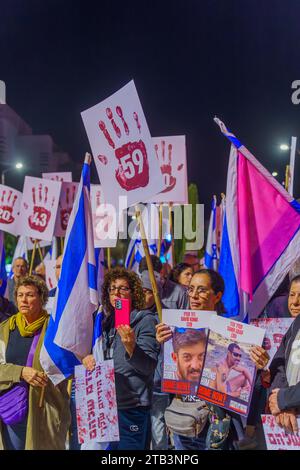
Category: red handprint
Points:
column 40, row 218
column 166, row 165
column 133, row 167
column 7, row 206
column 66, row 211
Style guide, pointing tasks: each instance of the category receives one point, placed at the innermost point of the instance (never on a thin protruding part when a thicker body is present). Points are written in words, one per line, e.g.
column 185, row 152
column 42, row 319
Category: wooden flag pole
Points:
column 61, row 245
column 160, row 230
column 131, row 259
column 287, row 177
column 108, row 259
column 172, row 233
column 149, row 264
column 32, row 257
column 40, row 252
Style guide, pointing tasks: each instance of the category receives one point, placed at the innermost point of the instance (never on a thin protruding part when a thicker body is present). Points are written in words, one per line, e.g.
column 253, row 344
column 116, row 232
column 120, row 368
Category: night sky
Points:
column 191, row 60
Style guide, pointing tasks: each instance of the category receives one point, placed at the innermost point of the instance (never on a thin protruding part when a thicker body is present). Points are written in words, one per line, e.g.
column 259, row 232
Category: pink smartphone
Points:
column 122, row 312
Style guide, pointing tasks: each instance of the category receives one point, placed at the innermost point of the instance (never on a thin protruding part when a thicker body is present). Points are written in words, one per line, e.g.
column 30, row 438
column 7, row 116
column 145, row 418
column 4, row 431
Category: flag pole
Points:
column 149, row 263
column 108, row 259
column 32, row 257
column 160, row 230
column 131, row 258
column 172, row 233
column 62, row 245
column 287, row 177
column 40, row 252
column 290, row 187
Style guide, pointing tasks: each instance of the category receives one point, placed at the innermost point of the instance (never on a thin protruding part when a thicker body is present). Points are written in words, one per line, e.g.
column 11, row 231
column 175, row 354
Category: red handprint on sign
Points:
column 133, row 166
column 65, row 211
column 7, row 202
column 40, row 218
column 166, row 165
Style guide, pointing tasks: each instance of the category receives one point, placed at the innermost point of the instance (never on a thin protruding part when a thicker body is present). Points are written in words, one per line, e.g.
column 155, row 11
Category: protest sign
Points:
column 184, row 352
column 51, row 280
column 96, row 405
column 60, row 176
column 42, row 243
column 122, row 148
column 275, row 331
column 228, row 373
column 171, row 156
column 65, row 205
column 10, row 200
column 105, row 219
column 39, row 207
column 276, row 437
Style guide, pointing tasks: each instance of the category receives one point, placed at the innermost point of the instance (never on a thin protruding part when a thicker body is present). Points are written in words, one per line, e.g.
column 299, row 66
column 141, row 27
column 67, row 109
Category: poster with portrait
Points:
column 10, row 200
column 184, row 353
column 228, row 373
column 275, row 436
column 275, row 328
column 105, row 219
column 96, row 403
column 66, row 200
column 59, row 176
column 122, row 148
column 170, row 154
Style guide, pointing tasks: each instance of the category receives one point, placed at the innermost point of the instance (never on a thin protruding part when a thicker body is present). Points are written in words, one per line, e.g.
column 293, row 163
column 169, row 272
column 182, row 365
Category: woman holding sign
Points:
column 132, row 345
column 24, row 425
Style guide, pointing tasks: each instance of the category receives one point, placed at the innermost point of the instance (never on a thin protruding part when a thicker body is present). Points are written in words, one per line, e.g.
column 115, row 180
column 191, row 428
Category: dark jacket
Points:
column 174, row 296
column 134, row 376
column 7, row 309
column 289, row 396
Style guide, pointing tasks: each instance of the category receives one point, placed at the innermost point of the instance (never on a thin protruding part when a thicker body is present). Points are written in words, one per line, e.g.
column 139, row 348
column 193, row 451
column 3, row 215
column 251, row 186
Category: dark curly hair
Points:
column 35, row 281
column 135, row 284
column 177, row 270
column 217, row 285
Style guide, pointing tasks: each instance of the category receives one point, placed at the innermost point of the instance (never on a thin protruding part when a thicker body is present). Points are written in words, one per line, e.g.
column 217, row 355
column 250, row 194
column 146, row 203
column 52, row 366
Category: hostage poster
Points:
column 184, row 353
column 228, row 373
column 276, row 437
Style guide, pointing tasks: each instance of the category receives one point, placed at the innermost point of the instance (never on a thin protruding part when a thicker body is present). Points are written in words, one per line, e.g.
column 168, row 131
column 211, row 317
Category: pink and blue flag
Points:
column 261, row 233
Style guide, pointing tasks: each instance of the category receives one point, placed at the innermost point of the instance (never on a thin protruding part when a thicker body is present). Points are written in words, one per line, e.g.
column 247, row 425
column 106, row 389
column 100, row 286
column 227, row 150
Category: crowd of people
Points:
column 149, row 418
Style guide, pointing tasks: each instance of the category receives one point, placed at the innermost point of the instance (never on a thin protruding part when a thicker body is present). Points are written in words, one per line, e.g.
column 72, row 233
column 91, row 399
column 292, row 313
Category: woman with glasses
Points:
column 134, row 350
column 205, row 293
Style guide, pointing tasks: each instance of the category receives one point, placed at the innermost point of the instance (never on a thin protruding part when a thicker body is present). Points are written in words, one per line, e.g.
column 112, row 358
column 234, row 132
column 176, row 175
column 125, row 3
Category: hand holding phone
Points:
column 122, row 312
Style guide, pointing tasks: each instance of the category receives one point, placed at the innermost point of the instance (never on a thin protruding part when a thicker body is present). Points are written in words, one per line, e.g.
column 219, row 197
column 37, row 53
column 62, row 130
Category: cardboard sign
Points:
column 38, row 208
column 171, row 158
column 276, row 437
column 96, row 405
column 10, row 200
column 42, row 243
column 67, row 197
column 275, row 328
column 60, row 176
column 184, row 353
column 228, row 373
column 105, row 221
column 122, row 147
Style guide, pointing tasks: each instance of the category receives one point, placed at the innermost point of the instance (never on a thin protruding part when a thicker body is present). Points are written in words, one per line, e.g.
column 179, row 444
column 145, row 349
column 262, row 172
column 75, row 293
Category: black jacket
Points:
column 288, row 396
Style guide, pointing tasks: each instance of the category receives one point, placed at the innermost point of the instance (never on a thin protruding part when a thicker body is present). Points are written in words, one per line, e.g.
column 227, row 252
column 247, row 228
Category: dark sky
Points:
column 191, row 60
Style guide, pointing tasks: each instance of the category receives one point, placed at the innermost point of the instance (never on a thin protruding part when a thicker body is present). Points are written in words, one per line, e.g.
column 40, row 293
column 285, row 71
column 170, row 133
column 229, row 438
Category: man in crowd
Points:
column 193, row 261
column 19, row 269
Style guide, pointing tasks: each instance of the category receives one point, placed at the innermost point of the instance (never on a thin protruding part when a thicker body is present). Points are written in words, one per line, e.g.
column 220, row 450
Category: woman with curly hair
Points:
column 182, row 274
column 134, row 350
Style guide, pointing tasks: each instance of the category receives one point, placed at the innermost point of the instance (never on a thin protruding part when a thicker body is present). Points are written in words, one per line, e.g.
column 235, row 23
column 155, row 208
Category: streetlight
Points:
column 18, row 166
column 284, row 147
column 275, row 173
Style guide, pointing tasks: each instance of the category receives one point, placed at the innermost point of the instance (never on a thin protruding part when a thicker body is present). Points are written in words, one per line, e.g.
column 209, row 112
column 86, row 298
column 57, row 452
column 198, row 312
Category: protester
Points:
column 7, row 308
column 188, row 354
column 19, row 269
column 193, row 261
column 205, row 293
column 26, row 426
column 135, row 352
column 182, row 274
column 173, row 295
column 40, row 270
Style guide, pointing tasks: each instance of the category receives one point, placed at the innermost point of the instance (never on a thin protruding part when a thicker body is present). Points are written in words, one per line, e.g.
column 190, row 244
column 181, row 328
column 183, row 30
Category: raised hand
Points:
column 41, row 215
column 7, row 202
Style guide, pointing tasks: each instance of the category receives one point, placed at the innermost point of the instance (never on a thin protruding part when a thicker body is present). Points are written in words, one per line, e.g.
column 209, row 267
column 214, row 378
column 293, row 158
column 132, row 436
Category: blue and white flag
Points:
column 20, row 252
column 3, row 274
column 211, row 251
column 135, row 251
column 69, row 335
column 97, row 338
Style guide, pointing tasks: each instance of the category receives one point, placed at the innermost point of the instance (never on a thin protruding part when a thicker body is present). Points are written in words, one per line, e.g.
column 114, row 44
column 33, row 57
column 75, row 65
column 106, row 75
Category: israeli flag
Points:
column 211, row 252
column 69, row 335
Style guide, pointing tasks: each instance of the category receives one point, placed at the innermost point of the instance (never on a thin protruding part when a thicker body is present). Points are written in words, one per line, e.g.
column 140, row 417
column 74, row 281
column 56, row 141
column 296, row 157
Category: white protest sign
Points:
column 38, row 208
column 42, row 243
column 10, row 200
column 122, row 147
column 276, row 437
column 51, row 280
column 171, row 157
column 105, row 219
column 96, row 404
column 60, row 176
column 65, row 205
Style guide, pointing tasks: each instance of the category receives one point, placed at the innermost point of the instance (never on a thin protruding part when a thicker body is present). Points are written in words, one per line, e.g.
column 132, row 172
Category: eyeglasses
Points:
column 236, row 354
column 198, row 290
column 121, row 289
